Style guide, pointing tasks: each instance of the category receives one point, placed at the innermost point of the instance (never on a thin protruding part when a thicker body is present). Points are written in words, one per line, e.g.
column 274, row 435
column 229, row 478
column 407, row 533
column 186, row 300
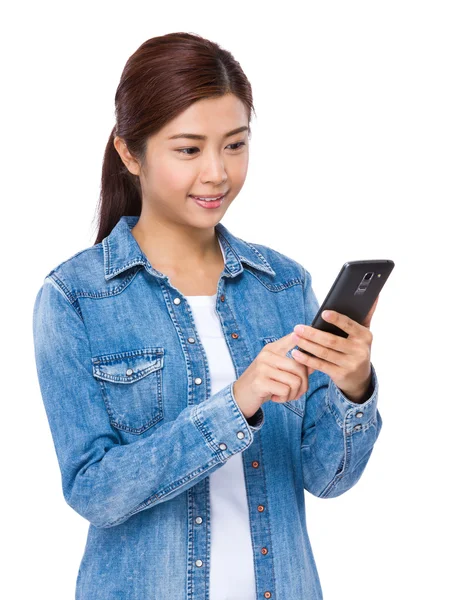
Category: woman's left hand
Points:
column 345, row 360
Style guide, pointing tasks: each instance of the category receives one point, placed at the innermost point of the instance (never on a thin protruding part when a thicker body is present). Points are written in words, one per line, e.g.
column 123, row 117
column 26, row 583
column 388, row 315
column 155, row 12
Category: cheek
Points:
column 169, row 177
column 239, row 168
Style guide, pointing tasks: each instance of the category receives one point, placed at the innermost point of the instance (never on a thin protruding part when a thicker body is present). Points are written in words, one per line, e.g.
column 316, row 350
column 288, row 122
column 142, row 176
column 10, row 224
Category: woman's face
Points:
column 179, row 166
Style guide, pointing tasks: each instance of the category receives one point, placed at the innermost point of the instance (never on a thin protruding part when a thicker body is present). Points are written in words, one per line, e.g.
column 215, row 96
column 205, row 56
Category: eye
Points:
column 183, row 150
column 239, row 144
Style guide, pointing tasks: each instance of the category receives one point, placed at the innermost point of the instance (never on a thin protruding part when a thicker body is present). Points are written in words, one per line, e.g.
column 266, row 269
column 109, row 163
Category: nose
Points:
column 213, row 168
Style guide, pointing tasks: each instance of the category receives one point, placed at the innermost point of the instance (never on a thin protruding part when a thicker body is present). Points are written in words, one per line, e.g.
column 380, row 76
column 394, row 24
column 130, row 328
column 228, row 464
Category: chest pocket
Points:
column 296, row 406
column 131, row 384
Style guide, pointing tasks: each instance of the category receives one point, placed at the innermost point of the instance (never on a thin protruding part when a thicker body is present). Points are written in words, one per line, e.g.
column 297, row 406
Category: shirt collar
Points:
column 121, row 251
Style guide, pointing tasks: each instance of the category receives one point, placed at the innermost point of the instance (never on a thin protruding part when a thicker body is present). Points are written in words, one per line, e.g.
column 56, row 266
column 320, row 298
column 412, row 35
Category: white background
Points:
column 358, row 152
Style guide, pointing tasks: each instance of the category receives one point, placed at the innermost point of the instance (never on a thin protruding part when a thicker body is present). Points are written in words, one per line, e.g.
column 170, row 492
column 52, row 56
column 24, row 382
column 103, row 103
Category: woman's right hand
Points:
column 271, row 375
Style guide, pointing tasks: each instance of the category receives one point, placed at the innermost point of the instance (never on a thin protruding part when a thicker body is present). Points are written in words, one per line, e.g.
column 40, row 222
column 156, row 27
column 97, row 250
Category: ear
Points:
column 127, row 158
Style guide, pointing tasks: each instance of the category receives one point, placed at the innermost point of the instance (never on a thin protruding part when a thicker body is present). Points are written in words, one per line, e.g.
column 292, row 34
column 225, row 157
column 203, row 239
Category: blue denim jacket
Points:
column 137, row 432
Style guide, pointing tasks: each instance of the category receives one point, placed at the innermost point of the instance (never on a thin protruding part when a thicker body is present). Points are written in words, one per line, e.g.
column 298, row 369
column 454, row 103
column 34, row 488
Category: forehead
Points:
column 212, row 117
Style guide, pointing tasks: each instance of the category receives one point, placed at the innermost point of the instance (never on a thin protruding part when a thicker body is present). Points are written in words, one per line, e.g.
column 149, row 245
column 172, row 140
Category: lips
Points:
column 214, row 203
column 208, row 198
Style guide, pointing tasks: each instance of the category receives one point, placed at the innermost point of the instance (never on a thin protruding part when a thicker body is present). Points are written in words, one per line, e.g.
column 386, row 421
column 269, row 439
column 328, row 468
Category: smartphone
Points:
column 353, row 293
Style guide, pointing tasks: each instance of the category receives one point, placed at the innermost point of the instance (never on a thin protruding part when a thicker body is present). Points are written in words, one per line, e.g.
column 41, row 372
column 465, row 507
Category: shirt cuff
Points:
column 223, row 424
column 356, row 415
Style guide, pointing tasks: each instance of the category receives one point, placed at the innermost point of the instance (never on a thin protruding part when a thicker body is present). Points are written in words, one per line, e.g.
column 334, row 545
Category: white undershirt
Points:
column 232, row 574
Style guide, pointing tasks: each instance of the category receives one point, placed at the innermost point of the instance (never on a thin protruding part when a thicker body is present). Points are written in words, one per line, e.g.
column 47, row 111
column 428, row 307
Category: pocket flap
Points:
column 128, row 366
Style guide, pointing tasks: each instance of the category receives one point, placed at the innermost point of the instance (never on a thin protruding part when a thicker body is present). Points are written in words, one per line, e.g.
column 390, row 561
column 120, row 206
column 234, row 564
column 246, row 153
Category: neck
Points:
column 175, row 245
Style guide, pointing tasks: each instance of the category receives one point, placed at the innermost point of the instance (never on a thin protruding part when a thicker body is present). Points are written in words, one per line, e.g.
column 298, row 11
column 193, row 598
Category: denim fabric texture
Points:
column 126, row 389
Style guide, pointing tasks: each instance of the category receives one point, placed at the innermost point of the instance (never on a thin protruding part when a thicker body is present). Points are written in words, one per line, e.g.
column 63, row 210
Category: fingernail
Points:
column 299, row 328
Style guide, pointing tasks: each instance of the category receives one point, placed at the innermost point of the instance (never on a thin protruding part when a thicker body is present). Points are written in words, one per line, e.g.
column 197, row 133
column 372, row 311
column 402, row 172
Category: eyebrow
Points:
column 195, row 136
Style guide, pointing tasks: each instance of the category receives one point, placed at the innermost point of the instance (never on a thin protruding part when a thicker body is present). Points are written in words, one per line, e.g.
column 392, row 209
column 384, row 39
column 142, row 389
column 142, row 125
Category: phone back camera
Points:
column 364, row 283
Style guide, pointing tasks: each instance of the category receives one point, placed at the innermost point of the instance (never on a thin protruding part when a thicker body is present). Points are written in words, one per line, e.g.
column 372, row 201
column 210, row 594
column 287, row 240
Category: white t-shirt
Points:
column 232, row 574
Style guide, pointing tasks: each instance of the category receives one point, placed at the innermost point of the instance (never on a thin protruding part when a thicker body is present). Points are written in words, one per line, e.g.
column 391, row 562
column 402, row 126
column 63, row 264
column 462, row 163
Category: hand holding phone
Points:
column 353, row 293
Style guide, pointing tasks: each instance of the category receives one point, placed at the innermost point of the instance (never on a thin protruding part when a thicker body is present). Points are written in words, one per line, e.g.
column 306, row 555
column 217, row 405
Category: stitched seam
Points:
column 268, row 517
column 277, row 287
column 206, row 434
column 64, row 291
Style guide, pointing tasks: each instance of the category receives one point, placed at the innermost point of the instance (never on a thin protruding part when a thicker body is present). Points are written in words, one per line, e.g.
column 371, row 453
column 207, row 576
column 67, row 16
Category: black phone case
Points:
column 351, row 294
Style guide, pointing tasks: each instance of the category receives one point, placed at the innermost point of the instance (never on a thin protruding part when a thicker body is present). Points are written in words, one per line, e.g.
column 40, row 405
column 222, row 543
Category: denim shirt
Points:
column 137, row 432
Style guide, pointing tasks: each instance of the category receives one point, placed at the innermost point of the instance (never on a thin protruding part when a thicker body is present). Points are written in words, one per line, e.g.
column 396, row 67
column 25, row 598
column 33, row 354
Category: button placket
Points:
column 222, row 446
column 198, row 381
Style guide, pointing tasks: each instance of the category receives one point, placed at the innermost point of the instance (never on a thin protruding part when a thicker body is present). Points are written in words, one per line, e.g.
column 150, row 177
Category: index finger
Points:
column 284, row 344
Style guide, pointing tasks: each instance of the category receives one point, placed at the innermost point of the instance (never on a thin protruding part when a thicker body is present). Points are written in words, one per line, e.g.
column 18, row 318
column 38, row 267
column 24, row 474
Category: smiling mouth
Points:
column 211, row 203
column 209, row 198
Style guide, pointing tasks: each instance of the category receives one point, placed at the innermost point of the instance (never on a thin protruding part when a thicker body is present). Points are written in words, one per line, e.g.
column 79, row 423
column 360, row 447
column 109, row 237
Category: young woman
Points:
column 185, row 428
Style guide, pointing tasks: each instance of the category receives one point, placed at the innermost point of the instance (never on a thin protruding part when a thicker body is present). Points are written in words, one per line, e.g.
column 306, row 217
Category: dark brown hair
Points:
column 160, row 80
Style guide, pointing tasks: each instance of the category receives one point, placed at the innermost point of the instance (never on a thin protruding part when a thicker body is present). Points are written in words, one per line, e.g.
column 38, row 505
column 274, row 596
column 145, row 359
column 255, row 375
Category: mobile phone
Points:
column 353, row 293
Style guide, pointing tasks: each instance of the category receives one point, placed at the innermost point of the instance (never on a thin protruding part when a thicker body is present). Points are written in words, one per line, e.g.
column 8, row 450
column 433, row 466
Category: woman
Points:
column 185, row 429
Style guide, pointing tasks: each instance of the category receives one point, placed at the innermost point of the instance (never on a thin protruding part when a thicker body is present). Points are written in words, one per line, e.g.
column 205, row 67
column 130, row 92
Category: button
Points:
column 222, row 298
column 199, row 563
column 264, row 551
column 359, row 414
column 240, row 435
column 198, row 380
column 199, row 520
column 261, row 508
column 255, row 464
column 357, row 427
column 129, row 371
column 191, row 340
column 177, row 301
column 235, row 335
column 222, row 446
column 267, row 595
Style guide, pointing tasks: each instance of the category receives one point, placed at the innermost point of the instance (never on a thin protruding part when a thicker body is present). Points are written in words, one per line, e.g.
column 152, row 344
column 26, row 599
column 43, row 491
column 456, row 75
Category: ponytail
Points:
column 120, row 191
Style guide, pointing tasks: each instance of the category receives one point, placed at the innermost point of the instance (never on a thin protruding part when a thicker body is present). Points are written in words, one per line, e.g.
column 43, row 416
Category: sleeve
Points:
column 338, row 434
column 104, row 480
